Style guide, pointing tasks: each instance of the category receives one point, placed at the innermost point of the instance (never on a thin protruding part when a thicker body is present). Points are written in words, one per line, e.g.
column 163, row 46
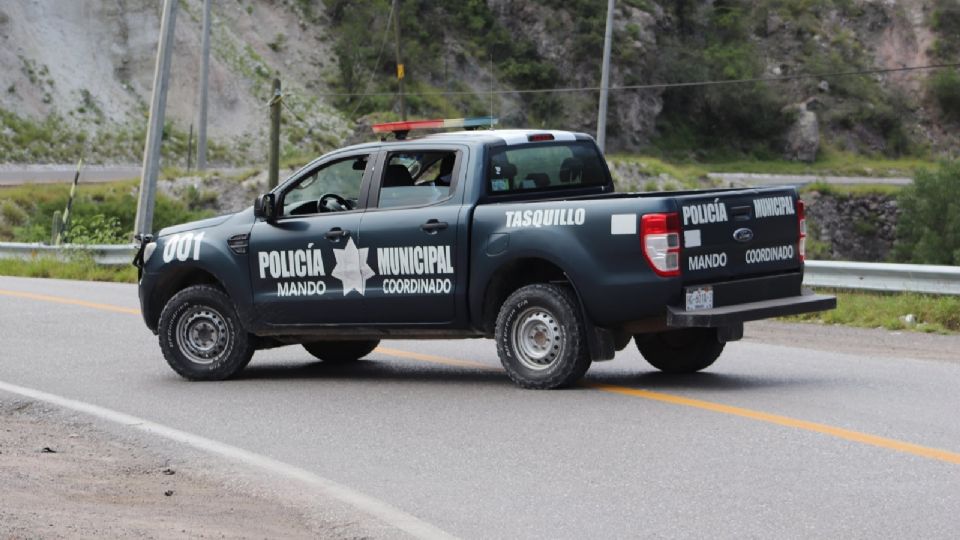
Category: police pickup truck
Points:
column 515, row 235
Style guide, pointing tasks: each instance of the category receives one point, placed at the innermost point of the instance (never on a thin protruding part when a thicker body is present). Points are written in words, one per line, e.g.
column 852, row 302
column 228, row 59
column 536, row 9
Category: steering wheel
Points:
column 331, row 202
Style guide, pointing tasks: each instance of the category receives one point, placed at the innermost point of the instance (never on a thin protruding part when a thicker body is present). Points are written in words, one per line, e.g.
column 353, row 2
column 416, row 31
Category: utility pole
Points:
column 605, row 81
column 275, row 104
column 158, row 107
column 400, row 70
column 204, row 82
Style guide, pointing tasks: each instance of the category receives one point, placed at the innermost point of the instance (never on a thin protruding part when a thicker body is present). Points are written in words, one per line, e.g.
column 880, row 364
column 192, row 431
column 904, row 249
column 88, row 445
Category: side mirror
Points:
column 265, row 207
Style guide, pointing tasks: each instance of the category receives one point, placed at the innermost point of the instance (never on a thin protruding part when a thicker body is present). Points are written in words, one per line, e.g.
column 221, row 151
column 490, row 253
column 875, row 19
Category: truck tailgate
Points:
column 738, row 234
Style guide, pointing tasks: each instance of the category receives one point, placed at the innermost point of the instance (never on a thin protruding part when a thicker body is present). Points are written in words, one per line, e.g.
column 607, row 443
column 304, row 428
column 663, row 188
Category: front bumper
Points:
column 735, row 314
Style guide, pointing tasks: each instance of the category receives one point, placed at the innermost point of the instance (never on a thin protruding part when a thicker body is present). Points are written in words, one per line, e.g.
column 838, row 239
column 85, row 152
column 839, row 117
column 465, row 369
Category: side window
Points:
column 334, row 187
column 416, row 178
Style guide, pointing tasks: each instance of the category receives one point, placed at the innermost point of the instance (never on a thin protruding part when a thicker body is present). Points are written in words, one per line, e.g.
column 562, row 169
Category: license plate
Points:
column 699, row 298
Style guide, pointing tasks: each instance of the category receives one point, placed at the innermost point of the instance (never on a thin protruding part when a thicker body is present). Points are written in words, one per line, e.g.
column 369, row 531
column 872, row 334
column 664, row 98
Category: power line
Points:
column 653, row 86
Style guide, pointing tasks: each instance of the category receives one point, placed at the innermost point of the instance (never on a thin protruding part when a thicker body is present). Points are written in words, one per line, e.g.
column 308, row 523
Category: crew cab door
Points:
column 305, row 266
column 415, row 231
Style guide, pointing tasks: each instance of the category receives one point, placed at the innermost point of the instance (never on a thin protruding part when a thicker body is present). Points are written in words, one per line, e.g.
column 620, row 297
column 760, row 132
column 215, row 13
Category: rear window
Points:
column 544, row 166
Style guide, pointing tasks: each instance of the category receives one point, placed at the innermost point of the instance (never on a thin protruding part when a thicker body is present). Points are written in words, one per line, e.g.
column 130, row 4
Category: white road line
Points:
column 374, row 507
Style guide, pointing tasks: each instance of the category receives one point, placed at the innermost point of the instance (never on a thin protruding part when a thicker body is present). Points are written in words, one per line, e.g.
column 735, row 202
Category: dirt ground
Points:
column 63, row 477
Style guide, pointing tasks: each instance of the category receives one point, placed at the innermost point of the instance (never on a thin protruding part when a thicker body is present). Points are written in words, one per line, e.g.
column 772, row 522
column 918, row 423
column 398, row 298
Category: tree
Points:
column 928, row 231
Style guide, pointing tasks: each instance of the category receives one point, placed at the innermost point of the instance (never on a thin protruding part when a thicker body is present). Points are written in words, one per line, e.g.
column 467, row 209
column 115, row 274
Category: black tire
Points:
column 201, row 336
column 341, row 352
column 554, row 354
column 680, row 351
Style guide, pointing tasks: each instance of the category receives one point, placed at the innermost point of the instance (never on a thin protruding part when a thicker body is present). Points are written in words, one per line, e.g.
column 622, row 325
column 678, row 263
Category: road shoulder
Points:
column 871, row 342
column 65, row 475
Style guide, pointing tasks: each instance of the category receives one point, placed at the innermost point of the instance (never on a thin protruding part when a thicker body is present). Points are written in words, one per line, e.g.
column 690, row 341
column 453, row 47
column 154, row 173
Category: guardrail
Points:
column 108, row 255
column 837, row 274
column 920, row 278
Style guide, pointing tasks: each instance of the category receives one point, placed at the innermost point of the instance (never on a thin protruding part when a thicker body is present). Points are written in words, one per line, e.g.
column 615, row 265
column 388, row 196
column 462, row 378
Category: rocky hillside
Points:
column 75, row 75
column 83, row 70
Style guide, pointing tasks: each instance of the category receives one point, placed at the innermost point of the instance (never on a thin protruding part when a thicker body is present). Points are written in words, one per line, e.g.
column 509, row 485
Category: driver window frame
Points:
column 459, row 165
column 282, row 190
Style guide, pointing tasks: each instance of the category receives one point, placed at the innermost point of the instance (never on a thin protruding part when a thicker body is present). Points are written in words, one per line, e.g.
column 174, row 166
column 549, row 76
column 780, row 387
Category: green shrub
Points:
column 98, row 229
column 945, row 21
column 945, row 87
column 11, row 214
column 928, row 230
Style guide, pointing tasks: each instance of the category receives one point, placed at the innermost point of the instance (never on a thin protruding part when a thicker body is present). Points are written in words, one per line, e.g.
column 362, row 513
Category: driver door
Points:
column 305, row 267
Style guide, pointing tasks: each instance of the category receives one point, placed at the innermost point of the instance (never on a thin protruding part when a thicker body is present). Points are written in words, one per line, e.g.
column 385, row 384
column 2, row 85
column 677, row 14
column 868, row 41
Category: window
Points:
column 541, row 166
column 417, row 178
column 334, row 187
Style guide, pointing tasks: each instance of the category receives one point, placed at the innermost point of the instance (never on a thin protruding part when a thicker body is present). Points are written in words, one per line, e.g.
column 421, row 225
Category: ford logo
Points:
column 743, row 235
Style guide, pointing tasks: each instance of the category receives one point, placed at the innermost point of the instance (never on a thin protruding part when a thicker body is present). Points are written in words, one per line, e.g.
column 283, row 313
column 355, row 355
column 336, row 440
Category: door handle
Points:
column 433, row 225
column 336, row 234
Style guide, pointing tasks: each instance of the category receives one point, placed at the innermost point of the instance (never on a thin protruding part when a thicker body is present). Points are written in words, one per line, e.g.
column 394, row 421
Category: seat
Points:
column 397, row 176
column 446, row 170
column 571, row 170
column 540, row 180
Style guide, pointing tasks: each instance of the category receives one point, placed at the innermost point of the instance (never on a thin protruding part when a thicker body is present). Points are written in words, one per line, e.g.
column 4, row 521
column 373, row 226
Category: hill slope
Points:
column 75, row 75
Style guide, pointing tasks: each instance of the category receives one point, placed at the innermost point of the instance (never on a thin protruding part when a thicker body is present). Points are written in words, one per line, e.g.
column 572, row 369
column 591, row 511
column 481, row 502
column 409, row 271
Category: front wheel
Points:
column 341, row 352
column 540, row 337
column 680, row 351
column 201, row 336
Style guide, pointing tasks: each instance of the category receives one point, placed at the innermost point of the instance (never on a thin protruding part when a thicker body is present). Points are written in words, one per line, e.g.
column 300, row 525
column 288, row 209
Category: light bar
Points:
column 397, row 127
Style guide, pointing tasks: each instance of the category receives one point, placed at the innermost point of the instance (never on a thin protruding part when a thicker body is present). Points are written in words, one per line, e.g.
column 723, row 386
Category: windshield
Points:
column 540, row 166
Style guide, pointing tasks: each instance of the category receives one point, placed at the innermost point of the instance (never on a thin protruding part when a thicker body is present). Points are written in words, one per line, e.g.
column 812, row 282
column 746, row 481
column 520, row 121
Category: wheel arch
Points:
column 523, row 271
column 174, row 281
column 512, row 275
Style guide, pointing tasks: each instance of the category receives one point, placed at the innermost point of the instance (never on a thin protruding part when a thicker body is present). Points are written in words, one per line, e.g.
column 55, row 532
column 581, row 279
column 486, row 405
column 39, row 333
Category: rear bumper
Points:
column 735, row 314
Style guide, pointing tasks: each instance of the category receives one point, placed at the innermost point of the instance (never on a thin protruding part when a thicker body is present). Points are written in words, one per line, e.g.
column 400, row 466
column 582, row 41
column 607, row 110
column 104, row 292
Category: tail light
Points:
column 660, row 237
column 802, row 223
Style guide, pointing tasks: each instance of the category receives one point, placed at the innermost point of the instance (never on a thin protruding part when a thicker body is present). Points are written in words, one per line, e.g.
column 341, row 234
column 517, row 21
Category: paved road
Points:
column 758, row 179
column 13, row 175
column 779, row 439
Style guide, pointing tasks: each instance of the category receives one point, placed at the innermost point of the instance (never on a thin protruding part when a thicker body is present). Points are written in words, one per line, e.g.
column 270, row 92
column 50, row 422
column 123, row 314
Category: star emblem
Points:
column 352, row 268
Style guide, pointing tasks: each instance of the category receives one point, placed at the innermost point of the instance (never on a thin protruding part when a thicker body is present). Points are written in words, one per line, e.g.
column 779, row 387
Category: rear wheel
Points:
column 341, row 352
column 540, row 337
column 680, row 351
column 201, row 336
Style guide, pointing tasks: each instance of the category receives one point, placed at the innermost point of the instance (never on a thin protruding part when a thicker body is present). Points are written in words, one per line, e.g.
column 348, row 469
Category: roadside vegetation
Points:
column 929, row 227
column 79, row 267
column 892, row 311
column 101, row 213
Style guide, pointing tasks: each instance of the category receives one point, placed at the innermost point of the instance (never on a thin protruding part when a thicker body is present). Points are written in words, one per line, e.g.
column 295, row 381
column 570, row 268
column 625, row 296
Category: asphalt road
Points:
column 12, row 175
column 784, row 437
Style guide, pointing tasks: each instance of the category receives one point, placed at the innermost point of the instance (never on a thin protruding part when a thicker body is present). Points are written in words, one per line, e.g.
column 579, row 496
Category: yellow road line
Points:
column 433, row 359
column 69, row 301
column 786, row 421
column 759, row 416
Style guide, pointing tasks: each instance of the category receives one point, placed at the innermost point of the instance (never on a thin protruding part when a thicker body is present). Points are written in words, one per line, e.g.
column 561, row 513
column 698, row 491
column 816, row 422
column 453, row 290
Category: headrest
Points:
column 397, row 176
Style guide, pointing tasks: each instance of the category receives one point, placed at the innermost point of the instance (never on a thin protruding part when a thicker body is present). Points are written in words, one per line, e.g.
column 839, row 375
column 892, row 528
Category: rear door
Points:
column 738, row 234
column 415, row 232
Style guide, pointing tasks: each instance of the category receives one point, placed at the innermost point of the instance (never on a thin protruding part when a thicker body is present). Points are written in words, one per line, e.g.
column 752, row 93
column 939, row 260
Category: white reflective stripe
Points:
column 623, row 224
column 691, row 238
